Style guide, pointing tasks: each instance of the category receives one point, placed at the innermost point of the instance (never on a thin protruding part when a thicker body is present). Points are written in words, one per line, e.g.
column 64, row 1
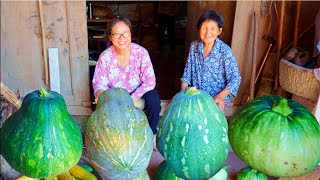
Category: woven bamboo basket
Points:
column 299, row 80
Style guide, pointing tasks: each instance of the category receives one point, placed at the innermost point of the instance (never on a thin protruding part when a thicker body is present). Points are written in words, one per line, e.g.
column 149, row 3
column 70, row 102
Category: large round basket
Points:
column 299, row 80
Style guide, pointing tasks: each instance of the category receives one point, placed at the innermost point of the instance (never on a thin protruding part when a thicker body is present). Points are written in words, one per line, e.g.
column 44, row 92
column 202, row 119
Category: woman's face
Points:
column 120, row 35
column 209, row 31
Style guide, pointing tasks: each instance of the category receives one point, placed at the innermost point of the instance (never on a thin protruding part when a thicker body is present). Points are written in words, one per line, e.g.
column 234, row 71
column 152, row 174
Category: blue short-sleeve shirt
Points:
column 217, row 71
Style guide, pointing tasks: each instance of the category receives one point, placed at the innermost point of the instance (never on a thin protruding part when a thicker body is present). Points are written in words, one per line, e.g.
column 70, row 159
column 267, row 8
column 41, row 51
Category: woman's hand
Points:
column 220, row 103
column 97, row 94
column 139, row 103
column 183, row 85
column 219, row 98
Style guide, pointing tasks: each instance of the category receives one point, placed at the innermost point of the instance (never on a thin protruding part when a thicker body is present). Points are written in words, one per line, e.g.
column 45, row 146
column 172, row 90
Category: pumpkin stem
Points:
column 44, row 93
column 192, row 91
column 282, row 107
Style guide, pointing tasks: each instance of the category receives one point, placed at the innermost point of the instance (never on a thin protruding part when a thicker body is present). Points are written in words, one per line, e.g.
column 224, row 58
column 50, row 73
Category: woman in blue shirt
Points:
column 211, row 65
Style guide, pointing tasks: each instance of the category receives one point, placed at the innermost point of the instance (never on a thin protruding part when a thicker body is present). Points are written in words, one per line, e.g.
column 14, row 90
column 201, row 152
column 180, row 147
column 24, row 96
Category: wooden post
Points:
column 279, row 40
column 254, row 56
column 296, row 24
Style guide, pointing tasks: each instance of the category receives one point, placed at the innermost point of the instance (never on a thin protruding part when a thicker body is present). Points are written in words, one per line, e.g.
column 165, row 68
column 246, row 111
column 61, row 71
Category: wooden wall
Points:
column 196, row 8
column 242, row 38
column 242, row 42
column 22, row 62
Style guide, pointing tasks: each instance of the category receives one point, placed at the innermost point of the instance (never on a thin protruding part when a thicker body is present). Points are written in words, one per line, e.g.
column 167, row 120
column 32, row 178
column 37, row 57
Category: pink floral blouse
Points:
column 137, row 77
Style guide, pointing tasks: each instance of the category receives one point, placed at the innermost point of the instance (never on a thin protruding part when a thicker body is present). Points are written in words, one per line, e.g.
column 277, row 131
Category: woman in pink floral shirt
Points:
column 127, row 65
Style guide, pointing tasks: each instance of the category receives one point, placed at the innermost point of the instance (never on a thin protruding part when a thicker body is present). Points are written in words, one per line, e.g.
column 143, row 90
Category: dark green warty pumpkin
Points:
column 119, row 140
column 193, row 135
column 276, row 136
column 41, row 139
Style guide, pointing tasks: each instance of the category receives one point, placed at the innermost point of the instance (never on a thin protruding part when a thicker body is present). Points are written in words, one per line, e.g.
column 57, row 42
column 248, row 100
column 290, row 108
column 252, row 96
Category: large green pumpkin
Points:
column 193, row 135
column 119, row 140
column 41, row 139
column 276, row 136
column 247, row 173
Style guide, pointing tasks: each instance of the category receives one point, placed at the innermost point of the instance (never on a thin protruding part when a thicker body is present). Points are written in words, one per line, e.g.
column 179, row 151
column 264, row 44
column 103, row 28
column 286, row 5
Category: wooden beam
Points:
column 279, row 44
column 254, row 56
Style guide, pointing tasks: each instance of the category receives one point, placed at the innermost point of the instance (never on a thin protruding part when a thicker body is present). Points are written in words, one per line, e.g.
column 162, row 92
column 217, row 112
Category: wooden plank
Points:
column 241, row 44
column 54, row 69
column 57, row 35
column 279, row 43
column 87, row 104
column 21, row 57
column 79, row 110
column 241, row 39
column 254, row 55
column 78, row 47
column 69, row 99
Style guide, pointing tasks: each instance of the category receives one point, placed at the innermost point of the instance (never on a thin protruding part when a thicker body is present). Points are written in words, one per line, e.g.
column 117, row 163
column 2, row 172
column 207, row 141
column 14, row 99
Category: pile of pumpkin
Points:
column 273, row 135
column 42, row 141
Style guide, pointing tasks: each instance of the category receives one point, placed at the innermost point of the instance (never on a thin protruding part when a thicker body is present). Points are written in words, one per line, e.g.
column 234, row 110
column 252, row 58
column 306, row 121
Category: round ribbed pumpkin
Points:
column 41, row 139
column 276, row 136
column 247, row 173
column 119, row 140
column 193, row 135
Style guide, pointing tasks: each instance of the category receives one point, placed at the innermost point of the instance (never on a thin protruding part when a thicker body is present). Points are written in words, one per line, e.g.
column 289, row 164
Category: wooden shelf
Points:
column 99, row 20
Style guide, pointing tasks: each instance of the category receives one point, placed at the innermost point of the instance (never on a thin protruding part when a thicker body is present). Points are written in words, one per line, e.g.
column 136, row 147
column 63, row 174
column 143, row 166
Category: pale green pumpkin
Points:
column 119, row 140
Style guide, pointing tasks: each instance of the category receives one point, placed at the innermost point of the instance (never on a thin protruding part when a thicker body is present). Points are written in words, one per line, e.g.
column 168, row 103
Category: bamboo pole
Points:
column 279, row 40
column 44, row 48
column 296, row 24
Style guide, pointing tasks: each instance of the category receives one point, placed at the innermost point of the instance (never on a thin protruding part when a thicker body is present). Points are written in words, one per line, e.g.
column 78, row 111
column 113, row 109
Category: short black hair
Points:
column 116, row 20
column 210, row 15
